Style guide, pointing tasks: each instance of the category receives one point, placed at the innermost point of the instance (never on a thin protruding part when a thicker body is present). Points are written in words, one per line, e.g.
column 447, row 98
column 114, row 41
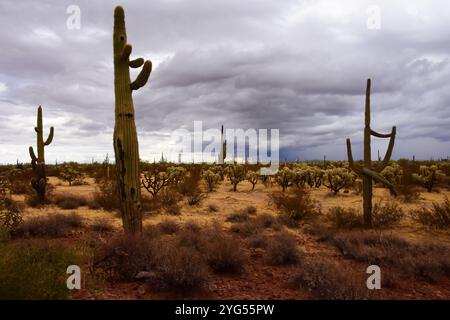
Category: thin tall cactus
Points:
column 125, row 137
column 368, row 172
column 38, row 162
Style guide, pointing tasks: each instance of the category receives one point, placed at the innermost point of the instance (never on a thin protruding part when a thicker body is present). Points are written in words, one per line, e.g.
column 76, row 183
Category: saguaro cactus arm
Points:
column 136, row 63
column 387, row 156
column 351, row 163
column 374, row 175
column 50, row 137
column 142, row 77
column 32, row 154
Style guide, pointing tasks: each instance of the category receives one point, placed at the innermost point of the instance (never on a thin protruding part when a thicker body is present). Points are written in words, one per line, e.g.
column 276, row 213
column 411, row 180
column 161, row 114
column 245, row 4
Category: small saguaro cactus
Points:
column 38, row 162
column 368, row 172
column 223, row 151
column 125, row 137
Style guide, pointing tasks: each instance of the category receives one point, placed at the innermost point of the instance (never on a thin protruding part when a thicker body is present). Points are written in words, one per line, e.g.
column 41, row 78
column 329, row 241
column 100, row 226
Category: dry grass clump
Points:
column 296, row 204
column 168, row 226
column 102, row 225
column 282, row 249
column 423, row 260
column 240, row 216
column 69, row 202
column 326, row 279
column 254, row 225
column 50, row 225
column 438, row 216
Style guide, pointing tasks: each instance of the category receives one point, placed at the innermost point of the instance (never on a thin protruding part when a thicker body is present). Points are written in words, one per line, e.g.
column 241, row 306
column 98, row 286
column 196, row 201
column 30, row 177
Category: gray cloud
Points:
column 299, row 66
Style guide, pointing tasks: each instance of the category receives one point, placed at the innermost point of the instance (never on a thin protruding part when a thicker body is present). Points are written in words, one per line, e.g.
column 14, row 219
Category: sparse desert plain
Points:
column 225, row 244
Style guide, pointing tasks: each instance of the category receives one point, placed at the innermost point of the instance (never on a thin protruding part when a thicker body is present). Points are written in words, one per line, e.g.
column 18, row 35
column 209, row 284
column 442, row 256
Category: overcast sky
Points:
column 297, row 66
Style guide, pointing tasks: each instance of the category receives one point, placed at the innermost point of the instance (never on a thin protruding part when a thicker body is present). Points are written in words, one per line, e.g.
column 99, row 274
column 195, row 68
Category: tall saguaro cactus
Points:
column 38, row 162
column 368, row 172
column 125, row 137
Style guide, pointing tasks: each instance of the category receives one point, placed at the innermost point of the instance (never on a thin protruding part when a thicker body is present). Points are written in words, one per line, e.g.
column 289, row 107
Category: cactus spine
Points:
column 38, row 162
column 125, row 137
column 367, row 172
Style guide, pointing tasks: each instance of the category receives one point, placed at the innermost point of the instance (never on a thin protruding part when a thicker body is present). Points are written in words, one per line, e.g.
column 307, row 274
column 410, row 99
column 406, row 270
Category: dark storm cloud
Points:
column 299, row 66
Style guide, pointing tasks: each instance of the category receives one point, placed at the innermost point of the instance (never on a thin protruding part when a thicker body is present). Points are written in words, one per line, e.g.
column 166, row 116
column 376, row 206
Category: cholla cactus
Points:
column 338, row 178
column 393, row 173
column 154, row 182
column 211, row 178
column 38, row 162
column 176, row 174
column 428, row 176
column 235, row 173
column 368, row 172
column 285, row 177
column 70, row 173
column 126, row 147
column 252, row 177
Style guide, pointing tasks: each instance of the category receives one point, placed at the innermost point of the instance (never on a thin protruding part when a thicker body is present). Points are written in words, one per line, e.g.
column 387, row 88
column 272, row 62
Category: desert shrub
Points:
column 69, row 202
column 237, row 217
column 107, row 194
column 122, row 258
column 177, row 268
column 194, row 199
column 423, row 260
column 251, row 209
column 338, row 178
column 213, row 208
column 102, row 225
column 212, row 179
column 169, row 197
column 438, row 216
column 71, row 173
column 282, row 249
column 154, row 181
column 258, row 241
column 428, row 176
column 284, row 178
column 252, row 177
column 168, row 226
column 19, row 181
column 10, row 214
column 222, row 252
column 176, row 175
column 94, row 205
column 348, row 218
column 285, row 220
column 51, row 225
column 35, row 270
column 236, row 174
column 264, row 221
column 297, row 204
column 327, row 279
column 253, row 225
column 173, row 210
column 386, row 215
column 191, row 182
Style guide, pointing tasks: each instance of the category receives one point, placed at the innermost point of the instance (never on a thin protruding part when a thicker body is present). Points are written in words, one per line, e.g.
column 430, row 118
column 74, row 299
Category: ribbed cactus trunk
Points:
column 366, row 171
column 367, row 180
column 125, row 137
column 39, row 184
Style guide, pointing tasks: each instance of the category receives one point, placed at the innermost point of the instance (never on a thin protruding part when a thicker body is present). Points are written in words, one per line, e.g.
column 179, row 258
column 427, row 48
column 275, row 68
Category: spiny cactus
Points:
column 125, row 137
column 368, row 172
column 428, row 176
column 38, row 162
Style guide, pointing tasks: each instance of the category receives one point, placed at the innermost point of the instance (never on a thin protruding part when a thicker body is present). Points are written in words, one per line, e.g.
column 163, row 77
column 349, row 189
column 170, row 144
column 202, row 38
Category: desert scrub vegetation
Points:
column 252, row 177
column 424, row 260
column 254, row 225
column 236, row 173
column 338, row 178
column 212, row 179
column 168, row 226
column 69, row 202
column 282, row 249
column 383, row 216
column 438, row 216
column 296, row 204
column 106, row 195
column 102, row 225
column 428, row 176
column 326, row 279
column 50, row 225
column 36, row 270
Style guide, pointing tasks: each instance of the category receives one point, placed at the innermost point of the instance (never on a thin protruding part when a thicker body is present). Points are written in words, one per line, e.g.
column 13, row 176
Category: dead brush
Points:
column 296, row 204
column 50, row 225
column 282, row 249
column 438, row 216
